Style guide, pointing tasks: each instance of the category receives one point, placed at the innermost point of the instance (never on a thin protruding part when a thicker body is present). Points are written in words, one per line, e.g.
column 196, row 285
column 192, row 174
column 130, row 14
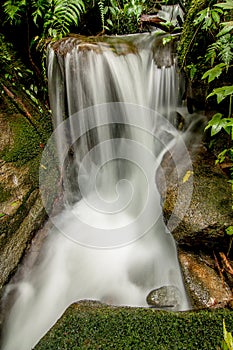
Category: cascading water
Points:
column 113, row 106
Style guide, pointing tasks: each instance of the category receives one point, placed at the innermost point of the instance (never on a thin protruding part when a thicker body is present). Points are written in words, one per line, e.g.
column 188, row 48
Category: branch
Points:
column 226, row 262
column 21, row 106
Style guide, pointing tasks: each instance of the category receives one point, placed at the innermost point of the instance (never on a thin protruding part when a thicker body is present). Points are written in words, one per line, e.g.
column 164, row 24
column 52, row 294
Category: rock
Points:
column 205, row 286
column 164, row 297
column 201, row 224
column 25, row 127
column 13, row 247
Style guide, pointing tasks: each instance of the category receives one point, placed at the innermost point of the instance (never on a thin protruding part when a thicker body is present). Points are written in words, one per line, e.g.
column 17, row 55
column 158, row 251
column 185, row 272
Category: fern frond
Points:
column 66, row 13
column 102, row 12
column 226, row 50
column 212, row 52
column 222, row 48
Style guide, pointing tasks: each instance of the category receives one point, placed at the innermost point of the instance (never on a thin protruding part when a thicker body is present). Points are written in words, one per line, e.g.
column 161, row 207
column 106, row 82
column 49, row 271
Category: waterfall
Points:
column 114, row 103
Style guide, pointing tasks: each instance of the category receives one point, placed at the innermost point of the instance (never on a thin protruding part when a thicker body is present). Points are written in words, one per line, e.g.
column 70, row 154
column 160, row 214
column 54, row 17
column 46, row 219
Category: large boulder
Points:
column 204, row 222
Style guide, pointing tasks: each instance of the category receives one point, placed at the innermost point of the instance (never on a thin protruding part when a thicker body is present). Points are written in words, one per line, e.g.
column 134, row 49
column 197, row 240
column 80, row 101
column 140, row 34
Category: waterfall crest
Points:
column 114, row 106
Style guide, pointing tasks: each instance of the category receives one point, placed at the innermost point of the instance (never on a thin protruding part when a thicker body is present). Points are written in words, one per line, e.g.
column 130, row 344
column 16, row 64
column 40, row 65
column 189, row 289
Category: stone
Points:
column 164, row 297
column 205, row 287
column 202, row 223
column 12, row 248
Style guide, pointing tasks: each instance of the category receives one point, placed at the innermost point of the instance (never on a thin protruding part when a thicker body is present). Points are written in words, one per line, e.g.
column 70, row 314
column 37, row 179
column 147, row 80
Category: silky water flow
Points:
column 114, row 107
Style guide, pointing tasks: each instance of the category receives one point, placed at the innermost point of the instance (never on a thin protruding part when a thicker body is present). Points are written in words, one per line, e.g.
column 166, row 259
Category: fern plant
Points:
column 220, row 55
column 102, row 13
column 65, row 14
column 56, row 16
column 221, row 49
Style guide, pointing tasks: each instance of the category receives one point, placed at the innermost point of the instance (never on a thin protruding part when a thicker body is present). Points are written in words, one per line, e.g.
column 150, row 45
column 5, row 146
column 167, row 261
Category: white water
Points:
column 112, row 245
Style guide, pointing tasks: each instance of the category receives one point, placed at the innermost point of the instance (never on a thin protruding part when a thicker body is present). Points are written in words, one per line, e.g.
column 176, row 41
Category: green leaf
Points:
column 222, row 92
column 192, row 70
column 221, row 157
column 109, row 22
column 2, row 214
column 167, row 39
column 229, row 230
column 227, row 336
column 228, row 26
column 228, row 5
column 214, row 72
column 215, row 16
column 215, row 124
column 201, row 16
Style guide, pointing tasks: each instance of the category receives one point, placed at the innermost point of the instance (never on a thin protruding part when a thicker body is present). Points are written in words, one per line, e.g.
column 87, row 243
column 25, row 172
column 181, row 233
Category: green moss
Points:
column 89, row 326
column 26, row 142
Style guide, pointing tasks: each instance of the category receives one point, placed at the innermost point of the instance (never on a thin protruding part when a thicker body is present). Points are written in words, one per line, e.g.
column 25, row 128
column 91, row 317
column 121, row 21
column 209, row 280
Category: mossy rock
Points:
column 25, row 124
column 89, row 325
column 209, row 213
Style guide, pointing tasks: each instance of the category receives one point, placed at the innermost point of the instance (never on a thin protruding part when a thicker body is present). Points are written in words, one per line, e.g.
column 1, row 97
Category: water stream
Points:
column 114, row 106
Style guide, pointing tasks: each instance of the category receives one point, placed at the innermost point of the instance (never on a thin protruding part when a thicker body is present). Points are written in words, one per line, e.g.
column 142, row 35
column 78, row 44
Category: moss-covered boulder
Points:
column 210, row 211
column 89, row 325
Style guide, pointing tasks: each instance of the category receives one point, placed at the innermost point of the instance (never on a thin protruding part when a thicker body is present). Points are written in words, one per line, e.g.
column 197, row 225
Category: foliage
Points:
column 57, row 16
column 121, row 16
column 207, row 55
column 218, row 121
column 209, row 18
column 222, row 50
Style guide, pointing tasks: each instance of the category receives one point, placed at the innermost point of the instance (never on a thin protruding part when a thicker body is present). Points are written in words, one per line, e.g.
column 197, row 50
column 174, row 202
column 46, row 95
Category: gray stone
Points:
column 164, row 297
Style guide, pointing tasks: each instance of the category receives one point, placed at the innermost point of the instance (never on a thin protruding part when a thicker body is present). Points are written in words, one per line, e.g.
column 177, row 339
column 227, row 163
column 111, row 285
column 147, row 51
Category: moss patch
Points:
column 91, row 325
column 26, row 142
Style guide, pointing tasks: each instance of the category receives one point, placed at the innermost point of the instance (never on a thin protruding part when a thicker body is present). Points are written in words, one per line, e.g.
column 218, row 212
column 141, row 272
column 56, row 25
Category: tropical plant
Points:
column 43, row 21
column 221, row 51
column 121, row 16
column 56, row 16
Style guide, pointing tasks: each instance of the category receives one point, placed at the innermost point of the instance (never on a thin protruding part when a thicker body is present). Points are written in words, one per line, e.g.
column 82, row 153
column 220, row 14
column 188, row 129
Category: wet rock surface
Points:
column 164, row 297
column 14, row 246
column 209, row 213
column 200, row 231
column 203, row 283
